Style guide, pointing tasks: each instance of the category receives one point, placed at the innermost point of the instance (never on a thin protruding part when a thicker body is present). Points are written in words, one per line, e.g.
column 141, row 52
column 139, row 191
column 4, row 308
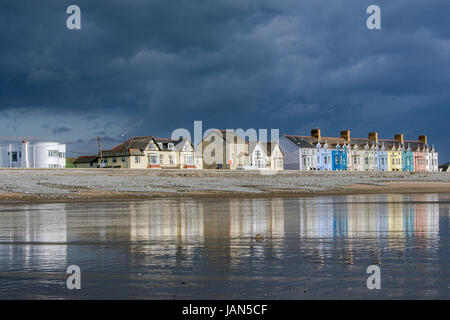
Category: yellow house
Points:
column 148, row 152
column 173, row 154
column 394, row 158
column 222, row 149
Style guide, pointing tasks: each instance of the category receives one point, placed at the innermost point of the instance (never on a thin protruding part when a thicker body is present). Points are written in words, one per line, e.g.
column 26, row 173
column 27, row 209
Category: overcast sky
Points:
column 148, row 67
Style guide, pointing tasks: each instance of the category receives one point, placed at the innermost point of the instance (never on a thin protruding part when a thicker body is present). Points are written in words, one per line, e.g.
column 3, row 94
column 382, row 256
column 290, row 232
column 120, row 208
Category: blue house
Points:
column 381, row 158
column 324, row 157
column 407, row 159
column 339, row 156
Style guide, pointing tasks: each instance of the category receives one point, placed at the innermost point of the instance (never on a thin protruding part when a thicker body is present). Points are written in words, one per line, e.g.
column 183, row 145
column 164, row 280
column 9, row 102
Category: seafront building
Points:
column 33, row 155
column 314, row 152
column 224, row 149
column 145, row 152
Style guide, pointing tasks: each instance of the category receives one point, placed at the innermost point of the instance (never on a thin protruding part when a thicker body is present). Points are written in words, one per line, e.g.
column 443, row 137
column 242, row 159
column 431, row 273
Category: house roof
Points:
column 229, row 136
column 85, row 159
column 177, row 143
column 310, row 142
column 135, row 147
column 301, row 141
column 134, row 143
column 269, row 147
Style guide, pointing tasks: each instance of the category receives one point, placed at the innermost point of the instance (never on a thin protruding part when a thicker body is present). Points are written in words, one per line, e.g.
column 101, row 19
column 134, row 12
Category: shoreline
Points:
column 410, row 187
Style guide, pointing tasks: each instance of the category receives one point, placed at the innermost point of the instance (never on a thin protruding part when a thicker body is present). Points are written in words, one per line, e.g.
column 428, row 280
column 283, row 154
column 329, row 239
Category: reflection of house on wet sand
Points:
column 167, row 227
column 391, row 217
column 256, row 217
column 44, row 231
column 177, row 227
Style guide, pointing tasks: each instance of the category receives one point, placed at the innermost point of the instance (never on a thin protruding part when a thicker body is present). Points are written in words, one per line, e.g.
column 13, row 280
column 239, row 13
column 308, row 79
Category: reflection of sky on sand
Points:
column 204, row 240
column 172, row 227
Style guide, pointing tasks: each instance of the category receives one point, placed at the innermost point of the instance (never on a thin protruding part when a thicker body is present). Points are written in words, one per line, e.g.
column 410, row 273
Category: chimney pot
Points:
column 423, row 139
column 399, row 137
column 373, row 136
column 316, row 133
column 345, row 134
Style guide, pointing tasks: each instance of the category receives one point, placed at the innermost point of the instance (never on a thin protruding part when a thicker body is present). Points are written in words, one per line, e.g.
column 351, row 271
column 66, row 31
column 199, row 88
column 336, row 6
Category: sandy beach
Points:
column 63, row 185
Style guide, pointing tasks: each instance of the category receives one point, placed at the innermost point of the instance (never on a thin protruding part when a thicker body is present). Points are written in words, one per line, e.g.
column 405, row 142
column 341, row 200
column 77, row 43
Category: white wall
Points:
column 33, row 155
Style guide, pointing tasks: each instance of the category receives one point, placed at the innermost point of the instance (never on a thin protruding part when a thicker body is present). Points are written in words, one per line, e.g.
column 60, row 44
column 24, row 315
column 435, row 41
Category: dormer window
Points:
column 170, row 146
column 160, row 145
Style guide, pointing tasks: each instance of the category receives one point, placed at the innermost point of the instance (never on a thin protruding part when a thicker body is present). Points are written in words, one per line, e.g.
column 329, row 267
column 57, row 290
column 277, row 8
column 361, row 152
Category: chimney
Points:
column 345, row 134
column 316, row 133
column 399, row 137
column 373, row 136
column 423, row 139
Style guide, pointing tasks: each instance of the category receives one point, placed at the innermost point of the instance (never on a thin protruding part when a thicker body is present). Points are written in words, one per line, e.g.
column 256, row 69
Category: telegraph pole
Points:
column 100, row 151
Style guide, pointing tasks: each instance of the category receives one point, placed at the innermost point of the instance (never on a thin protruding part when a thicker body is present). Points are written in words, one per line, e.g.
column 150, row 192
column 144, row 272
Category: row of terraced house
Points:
column 345, row 153
column 224, row 149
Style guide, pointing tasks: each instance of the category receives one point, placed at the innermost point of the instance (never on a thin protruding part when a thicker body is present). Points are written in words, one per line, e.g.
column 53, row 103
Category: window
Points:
column 325, row 160
column 122, row 159
column 170, row 146
column 20, row 154
column 171, row 159
column 154, row 159
column 160, row 145
column 14, row 156
column 189, row 159
column 114, row 160
column 52, row 153
column 61, row 154
column 366, row 160
column 137, row 159
column 336, row 160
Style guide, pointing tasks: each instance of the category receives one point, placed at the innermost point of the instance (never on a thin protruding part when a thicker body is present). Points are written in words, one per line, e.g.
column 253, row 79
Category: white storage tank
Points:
column 48, row 155
column 33, row 155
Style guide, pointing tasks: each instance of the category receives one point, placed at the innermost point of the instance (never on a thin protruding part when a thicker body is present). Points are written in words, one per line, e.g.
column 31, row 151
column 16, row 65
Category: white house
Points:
column 33, row 155
column 265, row 155
column 431, row 157
column 258, row 155
column 299, row 153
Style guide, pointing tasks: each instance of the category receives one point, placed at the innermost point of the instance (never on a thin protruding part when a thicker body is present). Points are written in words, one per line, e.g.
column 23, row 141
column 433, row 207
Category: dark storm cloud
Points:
column 293, row 65
column 60, row 130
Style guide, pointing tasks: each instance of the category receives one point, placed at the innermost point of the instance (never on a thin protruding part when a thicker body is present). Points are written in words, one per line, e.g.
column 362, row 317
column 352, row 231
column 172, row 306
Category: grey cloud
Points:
column 160, row 65
column 60, row 130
